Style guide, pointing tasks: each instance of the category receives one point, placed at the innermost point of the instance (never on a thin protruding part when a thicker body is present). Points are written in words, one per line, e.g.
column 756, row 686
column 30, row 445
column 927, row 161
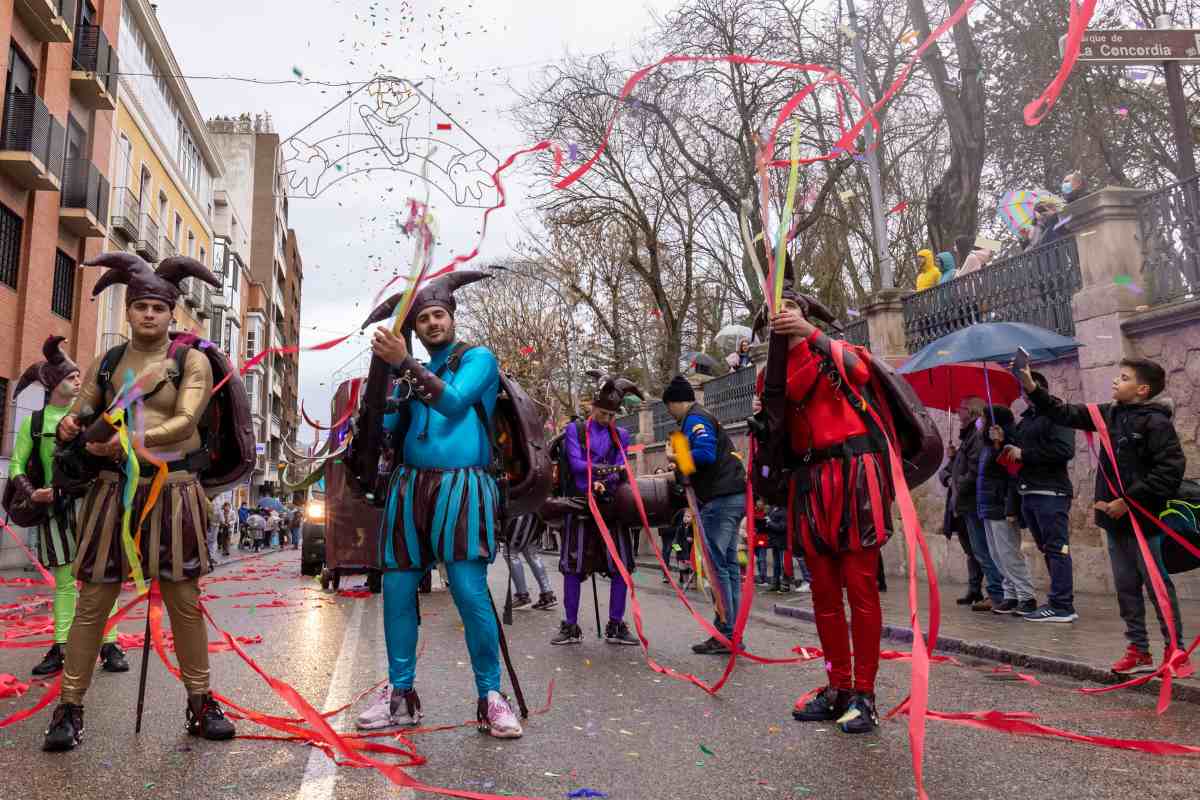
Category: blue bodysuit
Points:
column 442, row 505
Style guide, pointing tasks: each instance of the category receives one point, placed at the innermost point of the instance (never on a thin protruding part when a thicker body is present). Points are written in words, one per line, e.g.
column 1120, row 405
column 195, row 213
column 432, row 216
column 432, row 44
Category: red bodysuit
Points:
column 840, row 505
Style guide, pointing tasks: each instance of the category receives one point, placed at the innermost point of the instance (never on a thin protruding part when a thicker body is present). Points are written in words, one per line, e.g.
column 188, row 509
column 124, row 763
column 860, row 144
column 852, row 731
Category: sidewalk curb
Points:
column 1180, row 690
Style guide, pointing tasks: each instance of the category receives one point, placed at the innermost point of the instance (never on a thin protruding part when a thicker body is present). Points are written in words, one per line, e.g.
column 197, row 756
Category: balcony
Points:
column 31, row 144
column 84, row 199
column 94, row 69
column 125, row 213
column 148, row 239
column 169, row 250
column 48, row 20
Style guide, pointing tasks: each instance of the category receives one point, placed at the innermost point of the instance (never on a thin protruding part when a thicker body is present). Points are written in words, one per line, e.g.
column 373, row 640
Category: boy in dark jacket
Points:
column 1149, row 468
column 964, row 480
column 999, row 508
column 1043, row 450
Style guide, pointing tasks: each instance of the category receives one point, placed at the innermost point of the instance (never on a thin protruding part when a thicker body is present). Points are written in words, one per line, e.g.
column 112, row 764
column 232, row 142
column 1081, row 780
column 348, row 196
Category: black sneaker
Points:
column 776, row 587
column 860, row 715
column 546, row 600
column 826, row 706
column 710, row 647
column 66, row 729
column 1026, row 607
column 113, row 658
column 970, row 598
column 206, row 719
column 52, row 664
column 1048, row 613
column 568, row 634
column 522, row 601
column 618, row 633
column 1006, row 606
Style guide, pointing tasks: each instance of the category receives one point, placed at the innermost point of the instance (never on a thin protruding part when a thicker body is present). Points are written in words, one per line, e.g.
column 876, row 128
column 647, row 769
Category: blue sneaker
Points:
column 1050, row 614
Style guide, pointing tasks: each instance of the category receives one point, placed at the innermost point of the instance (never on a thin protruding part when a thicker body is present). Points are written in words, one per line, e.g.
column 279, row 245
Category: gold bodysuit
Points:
column 171, row 415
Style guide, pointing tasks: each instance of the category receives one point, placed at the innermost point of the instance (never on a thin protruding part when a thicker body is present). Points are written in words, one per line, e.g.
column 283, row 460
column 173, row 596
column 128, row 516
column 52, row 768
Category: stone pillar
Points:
column 1105, row 225
column 885, row 323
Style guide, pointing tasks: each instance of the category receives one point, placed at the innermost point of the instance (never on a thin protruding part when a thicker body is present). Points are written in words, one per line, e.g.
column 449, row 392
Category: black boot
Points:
column 113, row 658
column 66, row 729
column 546, row 601
column 970, row 598
column 828, row 705
column 860, row 716
column 205, row 718
column 52, row 663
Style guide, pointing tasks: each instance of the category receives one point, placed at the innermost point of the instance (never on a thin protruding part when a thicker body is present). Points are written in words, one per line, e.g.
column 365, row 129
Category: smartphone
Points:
column 1020, row 362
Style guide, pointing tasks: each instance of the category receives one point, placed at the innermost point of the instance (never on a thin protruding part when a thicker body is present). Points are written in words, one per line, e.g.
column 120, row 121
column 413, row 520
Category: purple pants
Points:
column 572, row 587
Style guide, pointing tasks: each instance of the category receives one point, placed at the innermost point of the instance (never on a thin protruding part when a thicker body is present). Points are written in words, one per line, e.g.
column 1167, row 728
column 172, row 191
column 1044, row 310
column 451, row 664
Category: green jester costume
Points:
column 57, row 533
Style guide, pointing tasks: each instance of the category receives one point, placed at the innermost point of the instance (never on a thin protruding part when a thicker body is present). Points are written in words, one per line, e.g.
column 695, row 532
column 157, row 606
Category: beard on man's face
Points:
column 437, row 334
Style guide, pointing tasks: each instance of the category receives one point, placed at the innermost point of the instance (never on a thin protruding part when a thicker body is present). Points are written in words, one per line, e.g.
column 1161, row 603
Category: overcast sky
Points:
column 465, row 51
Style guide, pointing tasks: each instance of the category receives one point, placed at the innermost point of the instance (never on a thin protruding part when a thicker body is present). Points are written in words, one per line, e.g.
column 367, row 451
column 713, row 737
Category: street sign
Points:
column 1136, row 46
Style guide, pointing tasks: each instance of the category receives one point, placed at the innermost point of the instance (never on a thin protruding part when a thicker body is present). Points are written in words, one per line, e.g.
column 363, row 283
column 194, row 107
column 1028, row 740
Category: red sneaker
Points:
column 1181, row 664
column 1133, row 662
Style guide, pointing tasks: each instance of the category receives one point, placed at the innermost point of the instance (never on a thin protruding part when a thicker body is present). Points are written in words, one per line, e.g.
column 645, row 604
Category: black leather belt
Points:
column 854, row 446
column 195, row 461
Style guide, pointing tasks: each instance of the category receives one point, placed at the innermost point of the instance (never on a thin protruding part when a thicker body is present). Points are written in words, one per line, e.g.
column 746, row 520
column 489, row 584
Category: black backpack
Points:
column 226, row 429
column 520, row 463
column 1182, row 515
column 22, row 510
column 564, row 486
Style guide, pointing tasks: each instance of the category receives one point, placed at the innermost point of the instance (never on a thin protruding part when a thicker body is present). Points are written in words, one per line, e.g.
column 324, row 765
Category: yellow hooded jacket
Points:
column 930, row 274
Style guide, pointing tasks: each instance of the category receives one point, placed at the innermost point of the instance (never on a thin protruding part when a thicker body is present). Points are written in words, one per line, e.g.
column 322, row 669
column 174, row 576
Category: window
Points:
column 191, row 245
column 236, row 268
column 76, row 140
column 11, row 227
column 201, row 257
column 124, row 161
column 178, row 230
column 162, row 208
column 62, row 298
column 251, row 342
column 22, row 77
column 144, row 190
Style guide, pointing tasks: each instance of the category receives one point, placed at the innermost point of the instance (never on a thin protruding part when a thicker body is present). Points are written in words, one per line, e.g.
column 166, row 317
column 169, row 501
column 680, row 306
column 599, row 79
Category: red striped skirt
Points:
column 843, row 505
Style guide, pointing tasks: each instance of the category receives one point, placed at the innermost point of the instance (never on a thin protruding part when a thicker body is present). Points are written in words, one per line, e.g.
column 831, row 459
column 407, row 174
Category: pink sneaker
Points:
column 497, row 718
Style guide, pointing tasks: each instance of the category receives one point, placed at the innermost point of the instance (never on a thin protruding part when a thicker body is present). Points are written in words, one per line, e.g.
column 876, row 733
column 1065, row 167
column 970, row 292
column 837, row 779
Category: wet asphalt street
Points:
column 613, row 726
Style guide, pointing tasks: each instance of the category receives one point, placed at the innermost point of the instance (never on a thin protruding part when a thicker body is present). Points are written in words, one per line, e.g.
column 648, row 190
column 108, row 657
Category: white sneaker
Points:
column 389, row 709
column 804, row 586
column 501, row 721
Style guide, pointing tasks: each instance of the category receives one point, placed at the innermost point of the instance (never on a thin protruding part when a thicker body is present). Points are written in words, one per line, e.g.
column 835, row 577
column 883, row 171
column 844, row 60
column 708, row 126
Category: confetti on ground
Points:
column 552, row 775
column 297, row 72
column 586, row 792
column 774, row 729
column 1122, row 112
column 706, row 751
column 624, row 732
column 444, row 126
column 849, row 194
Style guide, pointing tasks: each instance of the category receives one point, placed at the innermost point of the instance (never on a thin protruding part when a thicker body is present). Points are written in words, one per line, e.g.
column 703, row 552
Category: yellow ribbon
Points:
column 116, row 418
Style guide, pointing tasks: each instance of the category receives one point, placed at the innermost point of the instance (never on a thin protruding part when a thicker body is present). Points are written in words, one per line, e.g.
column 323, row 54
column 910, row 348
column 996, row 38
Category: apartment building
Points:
column 164, row 168
column 55, row 144
column 250, row 150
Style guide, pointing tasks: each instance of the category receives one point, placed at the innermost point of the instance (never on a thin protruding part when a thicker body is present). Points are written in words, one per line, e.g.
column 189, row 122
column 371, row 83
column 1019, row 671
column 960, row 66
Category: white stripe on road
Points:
column 321, row 774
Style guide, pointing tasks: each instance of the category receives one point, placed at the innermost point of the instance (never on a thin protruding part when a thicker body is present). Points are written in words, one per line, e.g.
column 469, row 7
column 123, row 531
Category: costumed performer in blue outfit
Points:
column 442, row 502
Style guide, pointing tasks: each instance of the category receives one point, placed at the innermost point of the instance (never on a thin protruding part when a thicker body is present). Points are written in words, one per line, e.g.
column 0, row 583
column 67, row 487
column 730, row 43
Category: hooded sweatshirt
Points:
column 930, row 274
column 1150, row 460
column 945, row 263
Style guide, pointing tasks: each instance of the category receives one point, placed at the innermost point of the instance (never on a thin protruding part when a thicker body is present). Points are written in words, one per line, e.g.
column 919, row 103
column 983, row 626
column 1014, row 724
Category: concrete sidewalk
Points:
column 1082, row 650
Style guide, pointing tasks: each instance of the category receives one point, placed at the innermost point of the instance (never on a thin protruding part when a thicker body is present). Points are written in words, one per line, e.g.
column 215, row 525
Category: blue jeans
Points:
column 979, row 546
column 468, row 586
column 1049, row 520
column 760, row 561
column 721, row 517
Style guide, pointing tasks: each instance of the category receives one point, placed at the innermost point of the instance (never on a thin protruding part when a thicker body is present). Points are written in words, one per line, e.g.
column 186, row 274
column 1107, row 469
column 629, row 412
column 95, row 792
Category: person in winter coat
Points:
column 964, row 476
column 781, row 576
column 1043, row 450
column 953, row 526
column 1135, row 482
column 999, row 508
column 946, row 264
column 929, row 274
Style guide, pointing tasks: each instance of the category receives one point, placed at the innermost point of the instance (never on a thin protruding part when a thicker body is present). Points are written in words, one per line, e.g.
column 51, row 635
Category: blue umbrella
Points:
column 991, row 341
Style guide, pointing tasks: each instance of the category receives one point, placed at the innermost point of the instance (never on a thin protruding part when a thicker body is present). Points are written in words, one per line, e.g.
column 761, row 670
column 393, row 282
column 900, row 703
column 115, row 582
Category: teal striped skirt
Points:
column 436, row 515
